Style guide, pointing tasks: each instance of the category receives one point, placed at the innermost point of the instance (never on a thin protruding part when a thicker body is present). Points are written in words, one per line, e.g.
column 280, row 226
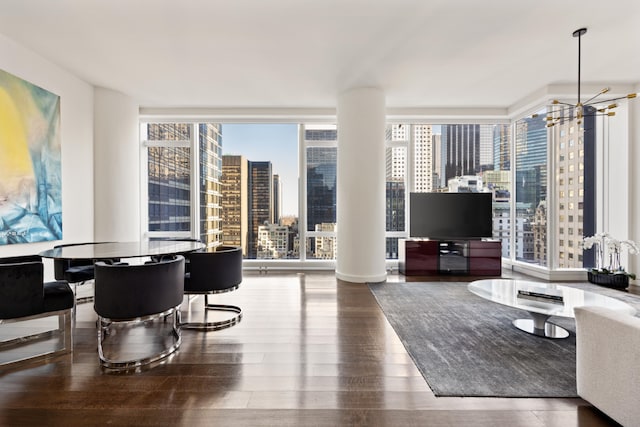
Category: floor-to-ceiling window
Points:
column 321, row 156
column 530, row 188
column 245, row 184
column 396, row 167
column 271, row 188
column 467, row 157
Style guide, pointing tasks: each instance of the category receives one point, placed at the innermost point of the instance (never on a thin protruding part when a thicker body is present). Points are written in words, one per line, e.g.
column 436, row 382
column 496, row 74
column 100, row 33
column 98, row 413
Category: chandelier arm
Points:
column 604, row 101
column 556, row 102
column 592, row 98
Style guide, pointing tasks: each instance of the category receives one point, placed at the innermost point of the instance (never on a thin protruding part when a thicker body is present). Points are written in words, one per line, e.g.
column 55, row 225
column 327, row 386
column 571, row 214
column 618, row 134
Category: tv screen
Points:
column 450, row 215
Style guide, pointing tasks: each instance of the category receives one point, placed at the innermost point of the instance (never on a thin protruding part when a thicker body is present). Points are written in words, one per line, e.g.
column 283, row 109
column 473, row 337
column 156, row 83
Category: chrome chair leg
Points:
column 103, row 332
column 217, row 325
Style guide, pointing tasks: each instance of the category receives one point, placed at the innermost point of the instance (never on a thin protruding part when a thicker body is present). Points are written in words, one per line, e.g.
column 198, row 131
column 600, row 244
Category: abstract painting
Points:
column 30, row 168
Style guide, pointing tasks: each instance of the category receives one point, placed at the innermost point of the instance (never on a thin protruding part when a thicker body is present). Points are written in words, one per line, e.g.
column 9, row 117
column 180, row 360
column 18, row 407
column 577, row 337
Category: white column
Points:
column 361, row 186
column 117, row 167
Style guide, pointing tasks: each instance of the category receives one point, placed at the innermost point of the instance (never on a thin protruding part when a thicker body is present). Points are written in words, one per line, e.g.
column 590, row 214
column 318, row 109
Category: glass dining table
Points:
column 115, row 250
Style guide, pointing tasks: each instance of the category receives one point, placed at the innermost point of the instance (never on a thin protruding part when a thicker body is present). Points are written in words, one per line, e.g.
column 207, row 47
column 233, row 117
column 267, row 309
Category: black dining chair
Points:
column 25, row 296
column 187, row 261
column 211, row 273
column 134, row 295
column 76, row 272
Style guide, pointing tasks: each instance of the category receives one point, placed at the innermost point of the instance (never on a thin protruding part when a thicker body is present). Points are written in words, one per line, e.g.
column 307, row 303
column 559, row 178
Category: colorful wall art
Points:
column 30, row 170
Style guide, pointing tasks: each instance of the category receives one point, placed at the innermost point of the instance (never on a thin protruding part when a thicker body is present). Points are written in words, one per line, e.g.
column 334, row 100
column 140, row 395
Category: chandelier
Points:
column 586, row 108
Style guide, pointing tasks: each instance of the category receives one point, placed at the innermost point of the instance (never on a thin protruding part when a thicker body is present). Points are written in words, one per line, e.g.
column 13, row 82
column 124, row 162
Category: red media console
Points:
column 419, row 257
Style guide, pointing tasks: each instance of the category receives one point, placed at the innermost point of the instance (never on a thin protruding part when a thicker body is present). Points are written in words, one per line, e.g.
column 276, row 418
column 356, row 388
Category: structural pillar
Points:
column 361, row 187
column 116, row 167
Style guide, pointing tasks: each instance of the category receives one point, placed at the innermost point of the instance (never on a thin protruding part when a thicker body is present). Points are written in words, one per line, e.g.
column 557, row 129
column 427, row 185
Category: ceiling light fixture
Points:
column 587, row 108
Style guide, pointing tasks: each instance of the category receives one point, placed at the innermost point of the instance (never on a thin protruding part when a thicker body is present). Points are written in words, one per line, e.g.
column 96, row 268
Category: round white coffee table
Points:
column 543, row 300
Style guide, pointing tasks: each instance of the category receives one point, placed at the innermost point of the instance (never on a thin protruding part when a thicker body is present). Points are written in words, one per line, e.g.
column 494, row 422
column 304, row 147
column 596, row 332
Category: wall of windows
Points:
column 542, row 180
column 447, row 157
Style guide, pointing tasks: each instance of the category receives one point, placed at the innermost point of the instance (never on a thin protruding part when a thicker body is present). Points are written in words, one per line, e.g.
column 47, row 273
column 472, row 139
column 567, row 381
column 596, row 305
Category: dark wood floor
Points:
column 310, row 350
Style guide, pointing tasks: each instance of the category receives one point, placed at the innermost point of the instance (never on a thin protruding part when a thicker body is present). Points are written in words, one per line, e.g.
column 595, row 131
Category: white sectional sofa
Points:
column 608, row 362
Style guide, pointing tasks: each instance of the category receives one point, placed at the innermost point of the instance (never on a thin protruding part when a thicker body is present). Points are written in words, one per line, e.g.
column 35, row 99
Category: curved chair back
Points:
column 214, row 271
column 21, row 289
column 20, row 258
column 132, row 291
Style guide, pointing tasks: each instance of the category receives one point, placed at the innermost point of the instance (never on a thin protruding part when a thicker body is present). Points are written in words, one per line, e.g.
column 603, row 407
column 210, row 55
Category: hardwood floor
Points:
column 310, row 350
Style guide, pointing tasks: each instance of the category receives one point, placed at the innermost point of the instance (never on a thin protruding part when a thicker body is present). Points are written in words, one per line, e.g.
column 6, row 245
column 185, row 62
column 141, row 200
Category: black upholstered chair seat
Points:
column 24, row 296
column 79, row 273
column 76, row 271
column 57, row 296
column 128, row 295
column 214, row 272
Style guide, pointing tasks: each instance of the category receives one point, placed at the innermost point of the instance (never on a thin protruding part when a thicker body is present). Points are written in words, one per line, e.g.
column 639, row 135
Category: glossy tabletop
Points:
column 112, row 250
column 505, row 292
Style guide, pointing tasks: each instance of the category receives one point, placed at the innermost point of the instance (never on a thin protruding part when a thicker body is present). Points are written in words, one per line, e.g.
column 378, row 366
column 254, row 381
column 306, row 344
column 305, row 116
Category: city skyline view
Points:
column 273, row 142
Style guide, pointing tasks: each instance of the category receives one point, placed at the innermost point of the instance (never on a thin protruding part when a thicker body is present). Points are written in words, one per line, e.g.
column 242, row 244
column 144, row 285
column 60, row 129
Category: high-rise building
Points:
column 325, row 247
column 539, row 229
column 273, row 241
column 530, row 186
column 462, row 143
column 501, row 148
column 321, row 185
column 277, row 198
column 575, row 189
column 169, row 165
column 169, row 170
column 438, row 172
column 210, row 157
column 423, row 162
column 260, row 201
column 486, row 149
column 235, row 198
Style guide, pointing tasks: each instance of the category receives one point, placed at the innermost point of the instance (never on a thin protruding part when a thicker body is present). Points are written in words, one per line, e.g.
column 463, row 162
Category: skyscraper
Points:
column 260, row 201
column 575, row 187
column 321, row 186
column 501, row 148
column 169, row 169
column 210, row 157
column 423, row 158
column 235, row 197
column 530, row 186
column 277, row 198
column 462, row 144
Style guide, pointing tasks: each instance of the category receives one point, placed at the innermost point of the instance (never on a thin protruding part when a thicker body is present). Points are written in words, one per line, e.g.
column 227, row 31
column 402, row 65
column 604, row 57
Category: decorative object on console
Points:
column 607, row 247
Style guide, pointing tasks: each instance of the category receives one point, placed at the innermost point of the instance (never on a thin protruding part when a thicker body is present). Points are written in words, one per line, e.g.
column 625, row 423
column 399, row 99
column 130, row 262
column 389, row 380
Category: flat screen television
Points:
column 445, row 216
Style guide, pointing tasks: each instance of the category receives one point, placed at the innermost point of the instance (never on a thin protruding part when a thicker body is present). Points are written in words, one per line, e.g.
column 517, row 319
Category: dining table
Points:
column 119, row 250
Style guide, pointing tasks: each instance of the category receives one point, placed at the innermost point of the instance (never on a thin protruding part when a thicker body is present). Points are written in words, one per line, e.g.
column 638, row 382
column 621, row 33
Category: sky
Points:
column 277, row 143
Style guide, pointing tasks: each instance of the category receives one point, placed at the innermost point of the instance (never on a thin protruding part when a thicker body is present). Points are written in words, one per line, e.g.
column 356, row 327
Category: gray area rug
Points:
column 466, row 346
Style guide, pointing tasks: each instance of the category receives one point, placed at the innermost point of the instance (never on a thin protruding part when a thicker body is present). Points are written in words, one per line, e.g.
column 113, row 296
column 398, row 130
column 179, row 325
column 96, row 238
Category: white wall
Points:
column 76, row 112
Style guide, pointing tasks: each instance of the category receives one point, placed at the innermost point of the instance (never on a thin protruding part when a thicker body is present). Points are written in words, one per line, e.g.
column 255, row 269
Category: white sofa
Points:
column 608, row 362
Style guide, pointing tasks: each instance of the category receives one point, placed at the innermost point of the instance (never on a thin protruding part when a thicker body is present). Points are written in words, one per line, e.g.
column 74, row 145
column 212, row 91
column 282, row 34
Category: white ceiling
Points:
column 303, row 53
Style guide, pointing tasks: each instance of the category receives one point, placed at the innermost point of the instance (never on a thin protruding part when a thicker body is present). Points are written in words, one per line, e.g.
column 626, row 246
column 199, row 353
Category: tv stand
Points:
column 425, row 257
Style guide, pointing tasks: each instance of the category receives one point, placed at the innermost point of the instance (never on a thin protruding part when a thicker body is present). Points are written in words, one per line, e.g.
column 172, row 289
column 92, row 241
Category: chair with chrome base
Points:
column 24, row 296
column 136, row 295
column 213, row 273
